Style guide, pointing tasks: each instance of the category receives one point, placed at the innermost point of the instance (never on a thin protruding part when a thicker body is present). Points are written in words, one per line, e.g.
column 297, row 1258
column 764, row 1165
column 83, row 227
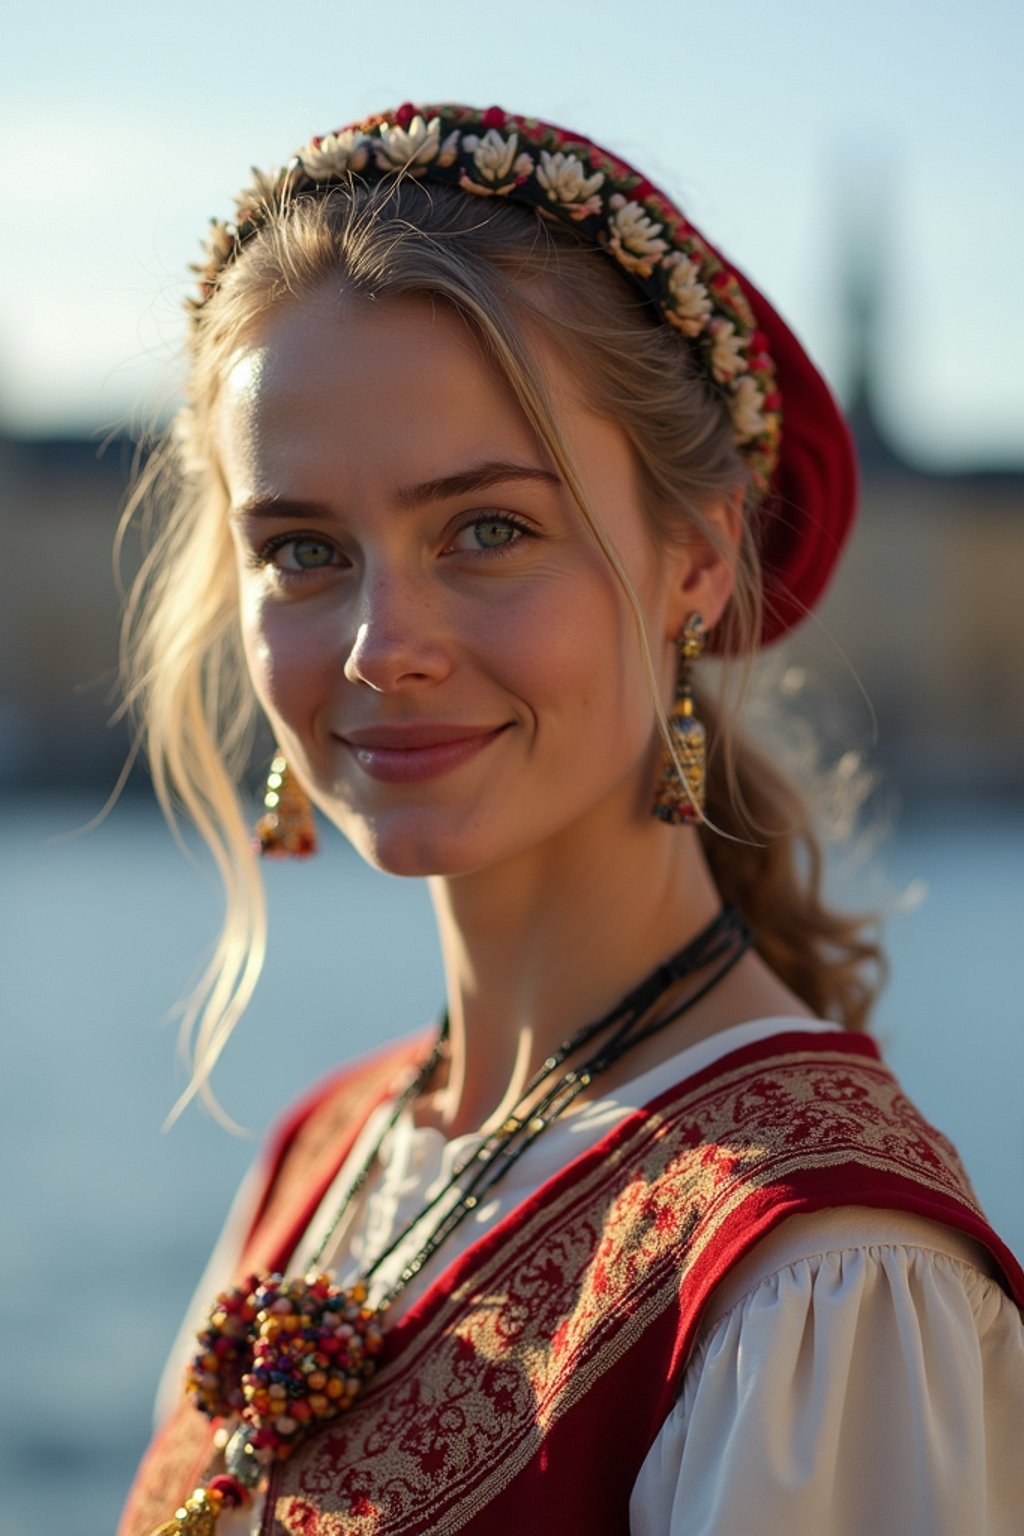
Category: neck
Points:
column 543, row 944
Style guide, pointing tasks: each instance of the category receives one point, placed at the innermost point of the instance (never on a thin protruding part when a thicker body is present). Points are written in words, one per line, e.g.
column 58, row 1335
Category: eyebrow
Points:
column 476, row 478
column 445, row 488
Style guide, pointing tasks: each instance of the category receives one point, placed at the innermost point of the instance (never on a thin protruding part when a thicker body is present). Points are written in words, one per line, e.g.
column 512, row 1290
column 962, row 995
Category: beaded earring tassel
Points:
column 285, row 830
column 677, row 801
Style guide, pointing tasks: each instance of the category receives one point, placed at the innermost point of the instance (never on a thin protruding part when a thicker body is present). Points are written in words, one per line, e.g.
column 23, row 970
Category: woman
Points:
column 484, row 445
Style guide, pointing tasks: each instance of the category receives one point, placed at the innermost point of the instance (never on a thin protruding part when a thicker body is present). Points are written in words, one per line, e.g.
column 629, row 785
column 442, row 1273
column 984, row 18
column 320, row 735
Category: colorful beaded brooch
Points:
column 282, row 1355
column 566, row 177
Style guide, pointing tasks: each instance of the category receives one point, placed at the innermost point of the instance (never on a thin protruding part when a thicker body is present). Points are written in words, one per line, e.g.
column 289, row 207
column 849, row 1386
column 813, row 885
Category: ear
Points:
column 704, row 567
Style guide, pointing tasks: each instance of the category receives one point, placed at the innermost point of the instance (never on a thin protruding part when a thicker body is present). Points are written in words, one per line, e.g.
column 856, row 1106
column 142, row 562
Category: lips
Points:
column 405, row 753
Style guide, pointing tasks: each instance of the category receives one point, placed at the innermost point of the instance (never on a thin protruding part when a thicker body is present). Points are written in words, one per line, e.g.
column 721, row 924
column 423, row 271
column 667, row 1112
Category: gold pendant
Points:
column 198, row 1515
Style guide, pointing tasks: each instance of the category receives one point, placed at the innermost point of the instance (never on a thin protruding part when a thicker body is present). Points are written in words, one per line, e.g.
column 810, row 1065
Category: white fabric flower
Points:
column 690, row 300
column 449, row 150
column 745, row 408
column 634, row 238
column 727, row 351
column 495, row 157
column 418, row 145
column 565, row 181
column 335, row 154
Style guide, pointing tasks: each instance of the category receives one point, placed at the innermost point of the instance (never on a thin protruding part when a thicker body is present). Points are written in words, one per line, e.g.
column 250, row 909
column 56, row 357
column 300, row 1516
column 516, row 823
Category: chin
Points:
column 416, row 848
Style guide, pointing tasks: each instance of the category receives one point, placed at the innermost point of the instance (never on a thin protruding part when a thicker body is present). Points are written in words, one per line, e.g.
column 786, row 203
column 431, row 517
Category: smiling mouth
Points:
column 409, row 754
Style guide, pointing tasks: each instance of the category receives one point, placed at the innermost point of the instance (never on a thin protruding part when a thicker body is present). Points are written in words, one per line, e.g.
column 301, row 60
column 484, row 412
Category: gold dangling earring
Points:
column 286, row 826
column 677, row 802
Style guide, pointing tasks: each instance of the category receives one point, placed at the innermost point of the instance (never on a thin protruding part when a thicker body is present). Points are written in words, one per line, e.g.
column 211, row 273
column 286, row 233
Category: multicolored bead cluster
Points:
column 563, row 176
column 283, row 1355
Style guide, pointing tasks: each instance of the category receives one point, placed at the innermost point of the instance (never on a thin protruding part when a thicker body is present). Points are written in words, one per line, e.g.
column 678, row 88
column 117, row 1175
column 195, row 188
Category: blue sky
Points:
column 792, row 133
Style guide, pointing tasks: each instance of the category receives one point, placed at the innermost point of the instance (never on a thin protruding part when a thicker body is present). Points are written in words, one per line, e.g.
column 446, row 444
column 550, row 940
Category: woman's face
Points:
column 443, row 651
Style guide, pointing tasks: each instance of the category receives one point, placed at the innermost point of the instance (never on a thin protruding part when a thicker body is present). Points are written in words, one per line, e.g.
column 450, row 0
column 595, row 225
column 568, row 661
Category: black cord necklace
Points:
column 277, row 1356
column 721, row 944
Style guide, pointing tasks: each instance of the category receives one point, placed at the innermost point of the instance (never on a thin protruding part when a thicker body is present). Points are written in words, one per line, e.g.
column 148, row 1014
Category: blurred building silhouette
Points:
column 59, row 501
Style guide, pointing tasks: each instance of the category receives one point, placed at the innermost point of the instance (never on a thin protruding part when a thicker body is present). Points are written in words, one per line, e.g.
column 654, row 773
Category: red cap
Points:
column 809, row 511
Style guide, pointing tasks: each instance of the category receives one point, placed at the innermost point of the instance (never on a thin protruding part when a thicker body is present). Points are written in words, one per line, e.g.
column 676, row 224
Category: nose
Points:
column 399, row 639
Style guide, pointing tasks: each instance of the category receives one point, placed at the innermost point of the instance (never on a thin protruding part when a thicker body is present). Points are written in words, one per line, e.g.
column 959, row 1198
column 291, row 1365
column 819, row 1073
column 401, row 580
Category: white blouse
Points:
column 859, row 1373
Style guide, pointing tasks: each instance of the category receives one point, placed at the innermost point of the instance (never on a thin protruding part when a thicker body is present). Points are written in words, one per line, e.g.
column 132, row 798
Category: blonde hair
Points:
column 506, row 272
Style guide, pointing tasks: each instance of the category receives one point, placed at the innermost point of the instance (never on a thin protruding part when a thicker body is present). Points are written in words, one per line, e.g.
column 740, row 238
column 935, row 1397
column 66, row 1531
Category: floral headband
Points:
column 739, row 344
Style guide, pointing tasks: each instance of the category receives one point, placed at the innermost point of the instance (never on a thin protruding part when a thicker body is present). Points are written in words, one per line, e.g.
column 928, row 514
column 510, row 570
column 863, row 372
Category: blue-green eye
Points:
column 494, row 532
column 292, row 554
column 491, row 535
column 309, row 553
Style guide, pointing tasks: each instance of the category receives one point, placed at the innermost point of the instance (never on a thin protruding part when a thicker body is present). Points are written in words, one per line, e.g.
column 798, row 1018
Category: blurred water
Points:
column 106, row 1221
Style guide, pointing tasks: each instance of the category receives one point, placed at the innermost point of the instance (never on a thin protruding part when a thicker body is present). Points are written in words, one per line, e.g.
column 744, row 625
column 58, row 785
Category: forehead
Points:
column 331, row 388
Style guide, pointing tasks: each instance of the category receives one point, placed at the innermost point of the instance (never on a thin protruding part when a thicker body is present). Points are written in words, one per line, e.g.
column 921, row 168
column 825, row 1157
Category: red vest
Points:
column 523, row 1391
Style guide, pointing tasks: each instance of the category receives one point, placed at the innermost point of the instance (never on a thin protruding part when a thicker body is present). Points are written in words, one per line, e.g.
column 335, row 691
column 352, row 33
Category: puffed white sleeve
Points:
column 860, row 1374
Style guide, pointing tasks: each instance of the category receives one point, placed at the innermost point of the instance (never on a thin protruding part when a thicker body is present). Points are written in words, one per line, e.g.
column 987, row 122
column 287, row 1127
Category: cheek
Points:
column 577, row 664
column 282, row 653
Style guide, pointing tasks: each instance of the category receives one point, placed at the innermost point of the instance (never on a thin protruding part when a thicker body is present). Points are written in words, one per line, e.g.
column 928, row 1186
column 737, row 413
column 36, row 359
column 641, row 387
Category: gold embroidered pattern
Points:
column 464, row 1407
